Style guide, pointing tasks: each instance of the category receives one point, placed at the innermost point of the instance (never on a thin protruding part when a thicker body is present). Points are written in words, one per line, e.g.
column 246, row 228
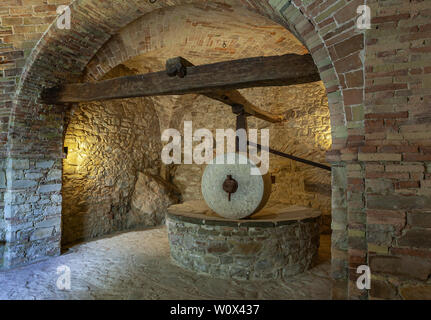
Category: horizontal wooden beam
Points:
column 234, row 98
column 236, row 74
column 178, row 67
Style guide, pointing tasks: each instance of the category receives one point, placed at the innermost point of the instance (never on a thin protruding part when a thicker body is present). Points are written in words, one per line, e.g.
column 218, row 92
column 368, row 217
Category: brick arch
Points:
column 35, row 130
column 216, row 37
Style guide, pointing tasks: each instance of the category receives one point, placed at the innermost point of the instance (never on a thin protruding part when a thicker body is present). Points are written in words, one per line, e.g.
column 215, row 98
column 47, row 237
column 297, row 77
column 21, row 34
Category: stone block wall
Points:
column 33, row 232
column 245, row 251
column 108, row 144
column 2, row 220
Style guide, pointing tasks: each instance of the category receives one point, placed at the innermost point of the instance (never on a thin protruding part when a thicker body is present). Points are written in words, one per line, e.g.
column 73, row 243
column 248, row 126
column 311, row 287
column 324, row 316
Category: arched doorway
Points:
column 35, row 142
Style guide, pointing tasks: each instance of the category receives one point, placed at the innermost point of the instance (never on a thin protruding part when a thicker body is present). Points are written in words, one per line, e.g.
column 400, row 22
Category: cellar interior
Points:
column 113, row 176
column 90, row 89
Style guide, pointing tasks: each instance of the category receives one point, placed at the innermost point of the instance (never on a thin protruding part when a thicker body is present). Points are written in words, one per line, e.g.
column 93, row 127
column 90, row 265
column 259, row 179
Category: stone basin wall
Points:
column 245, row 251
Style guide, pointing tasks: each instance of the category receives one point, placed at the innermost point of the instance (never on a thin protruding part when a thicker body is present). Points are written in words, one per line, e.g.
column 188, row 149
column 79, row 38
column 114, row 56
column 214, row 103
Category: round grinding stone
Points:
column 253, row 190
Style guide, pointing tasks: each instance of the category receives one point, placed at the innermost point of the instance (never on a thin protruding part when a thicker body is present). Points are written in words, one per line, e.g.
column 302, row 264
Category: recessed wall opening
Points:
column 113, row 176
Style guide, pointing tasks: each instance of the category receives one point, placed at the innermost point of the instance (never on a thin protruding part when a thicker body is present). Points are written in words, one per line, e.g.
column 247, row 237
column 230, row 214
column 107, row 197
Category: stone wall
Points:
column 2, row 221
column 305, row 134
column 108, row 144
column 35, row 229
column 247, row 250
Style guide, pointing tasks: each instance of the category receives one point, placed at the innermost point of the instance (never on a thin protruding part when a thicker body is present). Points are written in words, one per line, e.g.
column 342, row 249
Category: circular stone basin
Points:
column 279, row 241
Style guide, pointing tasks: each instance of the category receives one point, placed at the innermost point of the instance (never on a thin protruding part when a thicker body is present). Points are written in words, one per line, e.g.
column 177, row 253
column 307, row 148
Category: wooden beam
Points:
column 178, row 67
column 236, row 74
column 235, row 98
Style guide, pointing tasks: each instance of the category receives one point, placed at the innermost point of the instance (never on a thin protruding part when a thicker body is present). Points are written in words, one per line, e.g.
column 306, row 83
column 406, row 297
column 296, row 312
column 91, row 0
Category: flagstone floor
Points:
column 136, row 265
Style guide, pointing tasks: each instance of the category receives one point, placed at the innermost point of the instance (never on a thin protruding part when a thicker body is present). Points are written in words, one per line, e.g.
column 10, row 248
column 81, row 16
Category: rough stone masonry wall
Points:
column 2, row 221
column 108, row 144
column 245, row 251
column 305, row 134
column 35, row 228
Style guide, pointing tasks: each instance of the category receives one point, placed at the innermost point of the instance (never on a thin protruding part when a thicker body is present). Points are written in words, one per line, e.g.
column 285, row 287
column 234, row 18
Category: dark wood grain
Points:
column 223, row 76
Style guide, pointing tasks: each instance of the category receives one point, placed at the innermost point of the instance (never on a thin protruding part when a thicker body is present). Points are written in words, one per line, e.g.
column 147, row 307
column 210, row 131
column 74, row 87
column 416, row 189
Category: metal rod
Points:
column 241, row 123
column 289, row 156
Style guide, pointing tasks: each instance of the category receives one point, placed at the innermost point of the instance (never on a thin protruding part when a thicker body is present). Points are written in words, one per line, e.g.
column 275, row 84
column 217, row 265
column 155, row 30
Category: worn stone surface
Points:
column 253, row 190
column 416, row 292
column 150, row 201
column 136, row 265
column 108, row 144
column 383, row 289
column 402, row 266
column 244, row 251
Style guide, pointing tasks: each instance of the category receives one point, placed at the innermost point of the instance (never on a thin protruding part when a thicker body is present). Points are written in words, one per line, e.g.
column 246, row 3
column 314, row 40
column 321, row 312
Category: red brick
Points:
column 353, row 96
column 386, row 87
column 411, row 252
column 389, row 148
column 403, row 266
column 383, row 290
column 347, row 64
column 416, row 157
column 368, row 149
column 407, row 184
column 387, row 175
column 45, row 8
column 354, row 79
column 339, row 36
column 391, row 18
column 391, row 217
column 394, row 115
column 420, row 218
column 348, row 12
column 416, row 238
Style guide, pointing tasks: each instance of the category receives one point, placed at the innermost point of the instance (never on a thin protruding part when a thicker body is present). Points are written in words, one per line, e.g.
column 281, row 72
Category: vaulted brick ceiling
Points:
column 207, row 36
column 202, row 34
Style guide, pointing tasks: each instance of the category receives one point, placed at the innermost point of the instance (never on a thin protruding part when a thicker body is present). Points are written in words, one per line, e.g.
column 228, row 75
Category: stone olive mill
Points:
column 92, row 90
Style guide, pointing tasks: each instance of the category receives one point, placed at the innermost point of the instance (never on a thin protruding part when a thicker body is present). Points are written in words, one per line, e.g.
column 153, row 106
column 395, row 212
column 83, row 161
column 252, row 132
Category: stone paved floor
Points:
column 136, row 265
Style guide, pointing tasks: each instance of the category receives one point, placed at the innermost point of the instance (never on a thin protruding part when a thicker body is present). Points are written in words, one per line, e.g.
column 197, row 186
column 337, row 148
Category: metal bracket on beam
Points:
column 177, row 67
